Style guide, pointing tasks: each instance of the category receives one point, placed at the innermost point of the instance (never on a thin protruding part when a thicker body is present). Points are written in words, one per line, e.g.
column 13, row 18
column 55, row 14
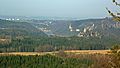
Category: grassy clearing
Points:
column 67, row 51
column 88, row 51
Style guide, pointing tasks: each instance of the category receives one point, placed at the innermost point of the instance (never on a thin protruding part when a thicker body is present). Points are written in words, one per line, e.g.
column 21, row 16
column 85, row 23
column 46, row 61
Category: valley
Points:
column 32, row 43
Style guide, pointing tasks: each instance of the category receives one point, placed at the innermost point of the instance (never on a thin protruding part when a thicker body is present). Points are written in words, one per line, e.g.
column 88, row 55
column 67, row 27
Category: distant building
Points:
column 77, row 30
column 85, row 30
column 50, row 22
column 70, row 27
column 17, row 19
column 13, row 19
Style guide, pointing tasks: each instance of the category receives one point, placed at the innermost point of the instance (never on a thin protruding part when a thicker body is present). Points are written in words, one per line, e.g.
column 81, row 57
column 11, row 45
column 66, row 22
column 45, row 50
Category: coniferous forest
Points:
column 46, row 61
column 47, row 44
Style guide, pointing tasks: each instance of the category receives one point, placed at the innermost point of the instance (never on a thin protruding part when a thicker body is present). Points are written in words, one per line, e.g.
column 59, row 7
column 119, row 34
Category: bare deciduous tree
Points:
column 116, row 16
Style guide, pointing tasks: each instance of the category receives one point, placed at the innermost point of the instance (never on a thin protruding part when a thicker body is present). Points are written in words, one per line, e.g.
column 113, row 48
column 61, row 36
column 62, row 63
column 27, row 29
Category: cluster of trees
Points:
column 46, row 61
column 42, row 44
column 62, row 60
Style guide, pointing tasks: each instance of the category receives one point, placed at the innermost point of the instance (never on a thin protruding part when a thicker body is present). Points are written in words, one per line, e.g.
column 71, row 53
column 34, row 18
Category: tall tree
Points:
column 116, row 16
column 115, row 59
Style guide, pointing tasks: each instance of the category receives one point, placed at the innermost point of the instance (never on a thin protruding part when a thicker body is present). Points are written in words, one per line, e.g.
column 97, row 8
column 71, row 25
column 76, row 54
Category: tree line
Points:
column 46, row 44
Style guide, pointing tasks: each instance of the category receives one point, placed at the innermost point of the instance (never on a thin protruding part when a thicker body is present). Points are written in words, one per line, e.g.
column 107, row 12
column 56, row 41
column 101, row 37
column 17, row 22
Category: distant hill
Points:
column 104, row 27
column 97, row 27
column 53, row 27
column 90, row 34
column 19, row 29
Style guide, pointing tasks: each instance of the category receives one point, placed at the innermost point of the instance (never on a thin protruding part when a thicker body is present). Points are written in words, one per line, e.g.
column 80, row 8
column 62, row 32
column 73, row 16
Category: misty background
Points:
column 58, row 8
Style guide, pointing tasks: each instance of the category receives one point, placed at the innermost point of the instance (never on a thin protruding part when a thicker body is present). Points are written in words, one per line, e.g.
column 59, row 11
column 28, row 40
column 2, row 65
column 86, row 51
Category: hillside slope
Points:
column 19, row 29
column 97, row 28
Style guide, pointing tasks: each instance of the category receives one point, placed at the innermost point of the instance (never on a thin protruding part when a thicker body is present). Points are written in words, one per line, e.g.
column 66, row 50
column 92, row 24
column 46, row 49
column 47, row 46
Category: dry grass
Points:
column 26, row 53
column 88, row 51
column 67, row 51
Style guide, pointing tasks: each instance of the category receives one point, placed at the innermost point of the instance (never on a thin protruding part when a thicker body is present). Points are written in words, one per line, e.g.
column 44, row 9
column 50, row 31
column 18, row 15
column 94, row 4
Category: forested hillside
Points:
column 12, row 28
column 104, row 27
column 26, row 37
column 46, row 44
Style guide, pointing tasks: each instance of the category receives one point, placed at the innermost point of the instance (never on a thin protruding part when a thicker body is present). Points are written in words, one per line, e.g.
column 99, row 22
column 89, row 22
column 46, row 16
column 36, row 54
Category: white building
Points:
column 77, row 30
column 85, row 30
column 70, row 27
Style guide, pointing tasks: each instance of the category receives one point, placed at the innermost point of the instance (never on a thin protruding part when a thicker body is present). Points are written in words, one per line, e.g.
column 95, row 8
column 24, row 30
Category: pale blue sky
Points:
column 59, row 8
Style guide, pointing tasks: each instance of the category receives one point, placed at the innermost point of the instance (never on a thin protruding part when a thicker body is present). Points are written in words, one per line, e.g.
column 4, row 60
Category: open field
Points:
column 26, row 53
column 67, row 51
column 88, row 51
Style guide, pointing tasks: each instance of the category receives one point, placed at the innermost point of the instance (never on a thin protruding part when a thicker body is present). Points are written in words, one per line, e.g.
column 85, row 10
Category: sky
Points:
column 57, row 8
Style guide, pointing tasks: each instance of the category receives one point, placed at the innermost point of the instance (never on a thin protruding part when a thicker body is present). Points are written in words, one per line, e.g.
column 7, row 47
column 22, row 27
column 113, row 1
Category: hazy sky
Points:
column 59, row 8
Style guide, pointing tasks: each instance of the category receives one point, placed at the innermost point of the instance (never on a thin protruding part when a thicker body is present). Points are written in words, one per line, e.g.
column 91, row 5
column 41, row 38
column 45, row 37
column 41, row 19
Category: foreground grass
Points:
column 45, row 61
column 61, row 59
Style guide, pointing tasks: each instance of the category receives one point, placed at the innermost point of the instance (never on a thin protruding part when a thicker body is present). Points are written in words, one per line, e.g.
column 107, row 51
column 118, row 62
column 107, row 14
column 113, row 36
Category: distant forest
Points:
column 46, row 44
column 24, row 37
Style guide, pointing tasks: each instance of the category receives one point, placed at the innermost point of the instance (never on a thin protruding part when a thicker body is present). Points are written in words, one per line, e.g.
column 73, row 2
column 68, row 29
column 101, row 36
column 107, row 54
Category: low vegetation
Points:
column 46, row 61
column 60, row 60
